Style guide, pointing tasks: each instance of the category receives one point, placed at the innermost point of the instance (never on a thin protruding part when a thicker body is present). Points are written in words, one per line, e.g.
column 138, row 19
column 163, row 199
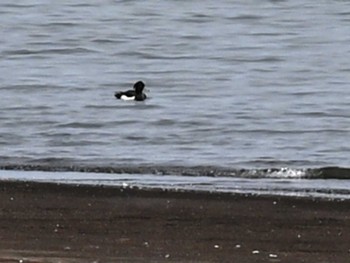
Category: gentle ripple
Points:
column 238, row 83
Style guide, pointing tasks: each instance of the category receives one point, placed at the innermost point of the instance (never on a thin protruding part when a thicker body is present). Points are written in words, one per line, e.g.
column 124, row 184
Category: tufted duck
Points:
column 135, row 94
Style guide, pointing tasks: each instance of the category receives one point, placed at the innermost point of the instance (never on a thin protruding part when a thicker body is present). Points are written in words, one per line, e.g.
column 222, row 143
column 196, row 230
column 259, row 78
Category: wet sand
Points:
column 59, row 223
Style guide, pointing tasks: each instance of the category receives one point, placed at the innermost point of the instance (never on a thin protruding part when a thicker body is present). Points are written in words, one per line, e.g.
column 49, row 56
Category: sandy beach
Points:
column 60, row 223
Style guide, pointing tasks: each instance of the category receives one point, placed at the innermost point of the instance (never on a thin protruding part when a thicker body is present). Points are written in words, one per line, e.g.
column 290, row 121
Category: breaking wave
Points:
column 210, row 171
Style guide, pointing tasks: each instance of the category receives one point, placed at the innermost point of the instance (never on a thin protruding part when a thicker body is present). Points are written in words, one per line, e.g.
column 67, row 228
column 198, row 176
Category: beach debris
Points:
column 272, row 256
column 146, row 244
column 94, row 246
column 238, row 246
column 255, row 252
column 125, row 185
column 57, row 227
column 167, row 256
column 216, row 246
column 299, row 236
column 11, row 198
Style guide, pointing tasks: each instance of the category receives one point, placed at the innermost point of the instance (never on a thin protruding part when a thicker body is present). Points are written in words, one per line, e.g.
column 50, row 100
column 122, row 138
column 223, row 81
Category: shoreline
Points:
column 48, row 222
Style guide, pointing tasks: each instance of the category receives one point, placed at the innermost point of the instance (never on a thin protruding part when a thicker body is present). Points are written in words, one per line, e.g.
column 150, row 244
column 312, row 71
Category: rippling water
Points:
column 239, row 84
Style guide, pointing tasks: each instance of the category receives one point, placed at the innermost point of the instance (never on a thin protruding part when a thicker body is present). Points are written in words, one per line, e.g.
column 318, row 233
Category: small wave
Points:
column 22, row 108
column 15, row 5
column 32, row 87
column 108, row 41
column 61, row 24
column 52, row 164
column 245, row 17
column 78, row 125
column 332, row 173
column 60, row 51
column 266, row 59
column 152, row 56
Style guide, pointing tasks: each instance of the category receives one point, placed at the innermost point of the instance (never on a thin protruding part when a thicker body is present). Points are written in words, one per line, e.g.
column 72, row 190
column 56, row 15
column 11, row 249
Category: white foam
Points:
column 287, row 173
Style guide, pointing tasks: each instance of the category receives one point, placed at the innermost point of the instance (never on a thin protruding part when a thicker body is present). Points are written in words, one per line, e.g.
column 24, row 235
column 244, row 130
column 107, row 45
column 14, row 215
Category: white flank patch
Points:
column 123, row 97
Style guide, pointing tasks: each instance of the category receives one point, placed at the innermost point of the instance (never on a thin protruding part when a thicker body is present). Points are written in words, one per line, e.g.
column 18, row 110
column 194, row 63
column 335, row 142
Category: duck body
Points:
column 126, row 95
column 135, row 94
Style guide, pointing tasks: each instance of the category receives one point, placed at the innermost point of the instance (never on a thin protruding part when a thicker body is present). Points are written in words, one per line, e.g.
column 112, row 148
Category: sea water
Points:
column 248, row 87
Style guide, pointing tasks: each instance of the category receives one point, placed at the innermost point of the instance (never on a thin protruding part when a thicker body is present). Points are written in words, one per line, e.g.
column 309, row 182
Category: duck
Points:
column 135, row 94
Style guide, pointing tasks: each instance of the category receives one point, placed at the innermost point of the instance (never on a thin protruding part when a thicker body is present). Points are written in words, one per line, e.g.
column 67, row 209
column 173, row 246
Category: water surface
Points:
column 244, row 84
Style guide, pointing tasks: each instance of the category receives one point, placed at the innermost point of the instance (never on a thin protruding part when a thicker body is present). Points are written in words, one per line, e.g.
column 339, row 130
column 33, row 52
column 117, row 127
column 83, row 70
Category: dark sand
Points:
column 52, row 223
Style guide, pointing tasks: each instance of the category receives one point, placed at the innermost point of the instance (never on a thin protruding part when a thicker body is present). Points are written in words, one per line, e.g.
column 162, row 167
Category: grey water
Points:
column 235, row 84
